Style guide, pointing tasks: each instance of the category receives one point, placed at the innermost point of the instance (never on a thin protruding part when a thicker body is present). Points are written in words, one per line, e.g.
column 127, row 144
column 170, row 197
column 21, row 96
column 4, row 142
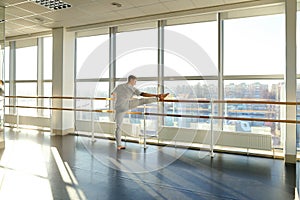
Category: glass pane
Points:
column 263, row 90
column 298, row 114
column 92, row 90
column 26, row 89
column 26, row 63
column 48, row 58
column 47, row 102
column 6, row 89
column 190, row 90
column 196, row 89
column 298, row 42
column 191, row 49
column 254, row 46
column 92, row 57
column 268, row 90
column 7, row 49
column 139, row 56
column 6, row 100
column 2, row 69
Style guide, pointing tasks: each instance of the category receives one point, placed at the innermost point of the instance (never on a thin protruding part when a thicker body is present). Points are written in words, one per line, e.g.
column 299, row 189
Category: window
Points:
column 26, row 61
column 47, row 102
column 26, row 89
column 254, row 45
column 7, row 53
column 264, row 90
column 47, row 58
column 92, row 64
column 137, row 53
column 92, row 57
column 93, row 90
column 191, row 49
column 192, row 90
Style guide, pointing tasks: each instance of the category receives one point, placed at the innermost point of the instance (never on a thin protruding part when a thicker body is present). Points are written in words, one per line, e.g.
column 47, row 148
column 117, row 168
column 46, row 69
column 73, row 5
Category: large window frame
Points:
column 39, row 81
column 160, row 26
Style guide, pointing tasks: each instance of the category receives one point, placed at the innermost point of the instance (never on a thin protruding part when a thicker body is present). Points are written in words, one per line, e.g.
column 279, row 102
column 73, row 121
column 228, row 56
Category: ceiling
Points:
column 24, row 17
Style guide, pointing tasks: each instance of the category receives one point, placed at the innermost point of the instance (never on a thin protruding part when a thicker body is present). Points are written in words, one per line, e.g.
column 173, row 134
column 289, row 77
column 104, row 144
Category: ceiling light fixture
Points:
column 116, row 4
column 52, row 4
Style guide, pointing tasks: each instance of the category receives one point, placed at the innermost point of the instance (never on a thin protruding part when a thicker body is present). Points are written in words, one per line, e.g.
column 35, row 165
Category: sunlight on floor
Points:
column 24, row 174
column 68, row 177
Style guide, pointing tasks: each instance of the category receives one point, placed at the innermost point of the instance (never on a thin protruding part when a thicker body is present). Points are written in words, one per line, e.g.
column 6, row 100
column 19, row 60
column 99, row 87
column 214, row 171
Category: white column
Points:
column 63, row 80
column 290, row 79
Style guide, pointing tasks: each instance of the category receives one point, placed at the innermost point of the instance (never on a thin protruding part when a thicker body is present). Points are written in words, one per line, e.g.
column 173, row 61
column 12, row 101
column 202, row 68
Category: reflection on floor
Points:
column 40, row 166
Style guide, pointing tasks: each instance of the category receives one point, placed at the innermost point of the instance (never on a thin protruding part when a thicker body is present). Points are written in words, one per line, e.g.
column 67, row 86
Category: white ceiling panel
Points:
column 12, row 26
column 138, row 3
column 14, row 10
column 207, row 3
column 82, row 2
column 10, row 2
column 67, row 14
column 131, row 12
column 95, row 8
column 154, row 9
column 104, row 17
column 33, row 7
column 23, row 22
column 10, row 16
column 179, row 5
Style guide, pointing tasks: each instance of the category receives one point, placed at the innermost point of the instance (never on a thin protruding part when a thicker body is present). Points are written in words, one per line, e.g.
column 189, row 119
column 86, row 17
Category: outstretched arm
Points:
column 144, row 94
column 160, row 96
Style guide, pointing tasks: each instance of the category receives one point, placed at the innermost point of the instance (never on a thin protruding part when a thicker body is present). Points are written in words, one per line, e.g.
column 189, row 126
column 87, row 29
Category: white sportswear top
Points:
column 124, row 92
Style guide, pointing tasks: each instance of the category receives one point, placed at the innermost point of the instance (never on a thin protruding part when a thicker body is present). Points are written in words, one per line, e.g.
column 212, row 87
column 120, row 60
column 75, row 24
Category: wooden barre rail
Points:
column 163, row 115
column 166, row 100
column 57, row 97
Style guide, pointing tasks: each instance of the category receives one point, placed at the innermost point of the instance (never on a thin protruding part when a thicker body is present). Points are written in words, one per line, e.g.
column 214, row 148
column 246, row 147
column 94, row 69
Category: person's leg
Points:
column 118, row 119
column 133, row 103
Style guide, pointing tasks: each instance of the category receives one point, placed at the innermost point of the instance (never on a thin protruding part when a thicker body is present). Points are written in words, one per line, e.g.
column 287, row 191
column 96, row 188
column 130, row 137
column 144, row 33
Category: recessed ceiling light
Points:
column 52, row 4
column 116, row 4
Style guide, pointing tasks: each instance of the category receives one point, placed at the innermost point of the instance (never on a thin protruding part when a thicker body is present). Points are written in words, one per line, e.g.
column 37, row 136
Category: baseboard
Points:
column 290, row 159
column 62, row 132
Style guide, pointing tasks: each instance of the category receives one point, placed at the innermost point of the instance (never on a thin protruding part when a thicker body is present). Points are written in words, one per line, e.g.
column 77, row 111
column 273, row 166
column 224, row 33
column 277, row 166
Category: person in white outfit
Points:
column 123, row 102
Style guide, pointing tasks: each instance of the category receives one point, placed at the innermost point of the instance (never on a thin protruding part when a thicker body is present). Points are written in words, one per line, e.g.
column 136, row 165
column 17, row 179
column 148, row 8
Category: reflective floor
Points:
column 39, row 166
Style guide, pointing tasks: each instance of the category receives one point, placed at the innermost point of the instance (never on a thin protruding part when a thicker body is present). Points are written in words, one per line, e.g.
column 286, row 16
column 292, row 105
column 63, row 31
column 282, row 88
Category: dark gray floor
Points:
column 37, row 166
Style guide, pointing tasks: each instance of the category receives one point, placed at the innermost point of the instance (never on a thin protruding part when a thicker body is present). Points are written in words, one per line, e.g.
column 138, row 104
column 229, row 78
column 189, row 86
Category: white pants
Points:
column 119, row 115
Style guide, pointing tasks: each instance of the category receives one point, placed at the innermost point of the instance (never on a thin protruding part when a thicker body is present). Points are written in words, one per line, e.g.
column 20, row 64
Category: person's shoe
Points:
column 121, row 147
column 163, row 96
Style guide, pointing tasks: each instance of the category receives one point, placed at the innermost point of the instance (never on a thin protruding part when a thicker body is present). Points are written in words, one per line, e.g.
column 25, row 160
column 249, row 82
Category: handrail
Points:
column 210, row 117
column 166, row 100
column 162, row 114
column 59, row 97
